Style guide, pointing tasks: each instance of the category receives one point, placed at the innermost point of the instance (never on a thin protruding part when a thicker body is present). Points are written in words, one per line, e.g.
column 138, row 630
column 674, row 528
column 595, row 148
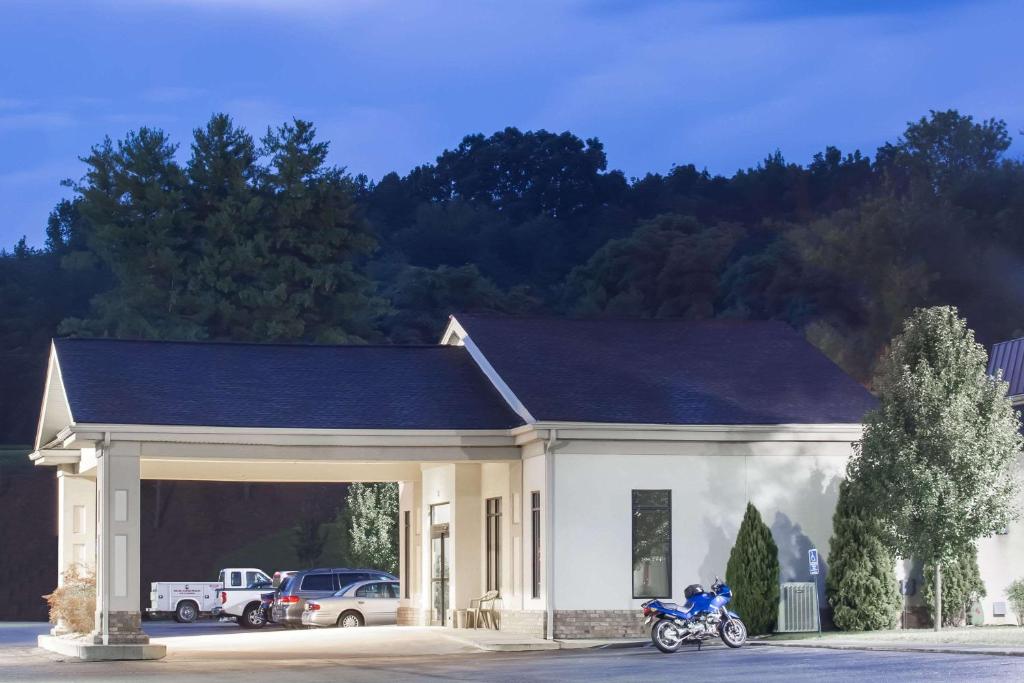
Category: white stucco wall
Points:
column 796, row 495
column 1001, row 560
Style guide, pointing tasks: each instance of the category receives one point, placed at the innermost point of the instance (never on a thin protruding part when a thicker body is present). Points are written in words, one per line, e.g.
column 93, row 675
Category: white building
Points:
column 577, row 466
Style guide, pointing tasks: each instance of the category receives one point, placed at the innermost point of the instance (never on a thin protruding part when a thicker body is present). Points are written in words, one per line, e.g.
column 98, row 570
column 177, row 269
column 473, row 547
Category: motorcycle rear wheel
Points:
column 733, row 632
column 666, row 636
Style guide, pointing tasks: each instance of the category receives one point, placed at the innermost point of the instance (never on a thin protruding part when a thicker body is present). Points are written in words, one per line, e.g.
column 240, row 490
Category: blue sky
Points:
column 392, row 83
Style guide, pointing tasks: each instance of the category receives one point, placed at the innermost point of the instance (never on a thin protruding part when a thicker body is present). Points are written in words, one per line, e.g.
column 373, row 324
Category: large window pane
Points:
column 652, row 544
column 407, row 569
column 493, row 550
column 535, row 524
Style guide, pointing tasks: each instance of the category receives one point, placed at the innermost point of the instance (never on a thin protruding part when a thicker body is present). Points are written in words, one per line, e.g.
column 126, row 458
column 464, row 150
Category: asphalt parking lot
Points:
column 21, row 661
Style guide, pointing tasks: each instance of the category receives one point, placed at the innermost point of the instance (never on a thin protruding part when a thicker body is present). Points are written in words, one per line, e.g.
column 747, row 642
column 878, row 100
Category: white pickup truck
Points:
column 187, row 600
column 246, row 604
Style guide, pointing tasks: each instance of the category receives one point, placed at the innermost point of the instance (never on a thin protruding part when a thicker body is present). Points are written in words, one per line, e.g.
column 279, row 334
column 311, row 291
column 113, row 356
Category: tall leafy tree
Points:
column 937, row 457
column 668, row 268
column 861, row 583
column 753, row 574
column 944, row 148
column 421, row 299
column 372, row 510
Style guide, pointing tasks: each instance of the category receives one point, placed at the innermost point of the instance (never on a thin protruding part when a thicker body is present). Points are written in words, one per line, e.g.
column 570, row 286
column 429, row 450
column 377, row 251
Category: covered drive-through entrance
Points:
column 441, row 542
column 422, row 417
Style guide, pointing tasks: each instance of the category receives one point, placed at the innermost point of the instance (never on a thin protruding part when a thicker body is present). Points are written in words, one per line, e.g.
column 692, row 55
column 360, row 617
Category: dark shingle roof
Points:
column 1008, row 356
column 666, row 371
column 267, row 385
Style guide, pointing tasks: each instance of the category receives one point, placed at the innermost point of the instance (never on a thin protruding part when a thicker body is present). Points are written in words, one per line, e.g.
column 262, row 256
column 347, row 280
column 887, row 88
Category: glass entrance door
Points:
column 440, row 554
column 440, row 550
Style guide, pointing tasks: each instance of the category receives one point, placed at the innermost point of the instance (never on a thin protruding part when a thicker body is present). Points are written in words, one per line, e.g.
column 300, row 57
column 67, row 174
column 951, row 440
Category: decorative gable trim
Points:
column 55, row 411
column 456, row 335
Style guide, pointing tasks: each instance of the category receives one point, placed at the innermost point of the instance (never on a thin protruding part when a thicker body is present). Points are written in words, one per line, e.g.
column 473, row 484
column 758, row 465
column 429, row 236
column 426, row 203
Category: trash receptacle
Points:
column 460, row 618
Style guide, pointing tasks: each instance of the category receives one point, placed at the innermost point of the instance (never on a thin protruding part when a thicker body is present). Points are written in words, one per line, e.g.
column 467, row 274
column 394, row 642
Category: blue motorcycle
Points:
column 703, row 616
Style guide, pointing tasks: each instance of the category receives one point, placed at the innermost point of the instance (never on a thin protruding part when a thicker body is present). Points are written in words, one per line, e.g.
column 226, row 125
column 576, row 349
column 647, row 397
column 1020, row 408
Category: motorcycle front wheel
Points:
column 733, row 632
column 666, row 636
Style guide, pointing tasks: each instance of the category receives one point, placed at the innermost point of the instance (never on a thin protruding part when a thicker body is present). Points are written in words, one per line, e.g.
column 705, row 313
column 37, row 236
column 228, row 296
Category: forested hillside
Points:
column 245, row 238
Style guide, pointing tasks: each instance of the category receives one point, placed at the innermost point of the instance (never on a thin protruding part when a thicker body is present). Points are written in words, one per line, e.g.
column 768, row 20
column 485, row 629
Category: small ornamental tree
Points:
column 373, row 534
column 938, row 454
column 73, row 603
column 753, row 574
column 861, row 585
column 961, row 587
column 1015, row 594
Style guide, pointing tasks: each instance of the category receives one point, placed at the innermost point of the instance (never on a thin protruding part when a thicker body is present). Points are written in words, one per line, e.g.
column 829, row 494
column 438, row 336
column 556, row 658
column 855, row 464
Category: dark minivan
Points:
column 315, row 583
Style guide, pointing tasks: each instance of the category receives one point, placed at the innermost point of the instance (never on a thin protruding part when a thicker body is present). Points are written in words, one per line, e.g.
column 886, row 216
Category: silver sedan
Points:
column 366, row 603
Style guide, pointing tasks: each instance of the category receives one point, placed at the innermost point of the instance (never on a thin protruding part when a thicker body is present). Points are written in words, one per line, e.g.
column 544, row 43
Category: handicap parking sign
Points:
column 812, row 560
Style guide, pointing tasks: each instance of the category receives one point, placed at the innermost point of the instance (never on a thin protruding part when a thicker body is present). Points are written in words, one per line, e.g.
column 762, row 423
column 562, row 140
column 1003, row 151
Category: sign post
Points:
column 812, row 561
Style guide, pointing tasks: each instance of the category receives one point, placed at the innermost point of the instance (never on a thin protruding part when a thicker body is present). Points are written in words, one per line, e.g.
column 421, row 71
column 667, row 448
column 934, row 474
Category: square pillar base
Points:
column 124, row 628
column 413, row 616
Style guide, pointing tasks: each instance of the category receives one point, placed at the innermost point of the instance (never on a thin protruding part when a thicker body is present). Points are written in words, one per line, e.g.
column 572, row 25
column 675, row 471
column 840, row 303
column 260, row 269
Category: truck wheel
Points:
column 187, row 612
column 252, row 617
column 350, row 619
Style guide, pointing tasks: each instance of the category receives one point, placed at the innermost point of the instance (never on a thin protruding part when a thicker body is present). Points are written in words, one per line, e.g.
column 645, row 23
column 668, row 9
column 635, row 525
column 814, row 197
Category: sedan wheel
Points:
column 350, row 620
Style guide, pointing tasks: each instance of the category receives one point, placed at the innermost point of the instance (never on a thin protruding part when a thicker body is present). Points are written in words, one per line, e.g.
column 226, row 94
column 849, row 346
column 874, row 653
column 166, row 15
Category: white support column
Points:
column 410, row 611
column 76, row 526
column 76, row 522
column 467, row 533
column 118, row 618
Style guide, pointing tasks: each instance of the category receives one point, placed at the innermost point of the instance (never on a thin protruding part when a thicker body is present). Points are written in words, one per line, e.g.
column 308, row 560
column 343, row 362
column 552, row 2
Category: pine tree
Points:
column 861, row 582
column 961, row 587
column 373, row 514
column 753, row 574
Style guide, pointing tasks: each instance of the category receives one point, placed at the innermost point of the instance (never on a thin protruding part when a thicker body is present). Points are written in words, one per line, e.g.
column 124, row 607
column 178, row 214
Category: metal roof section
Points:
column 1008, row 356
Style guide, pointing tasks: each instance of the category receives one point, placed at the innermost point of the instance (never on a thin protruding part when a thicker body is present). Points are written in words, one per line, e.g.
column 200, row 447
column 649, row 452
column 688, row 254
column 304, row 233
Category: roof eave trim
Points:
column 824, row 432
column 87, row 434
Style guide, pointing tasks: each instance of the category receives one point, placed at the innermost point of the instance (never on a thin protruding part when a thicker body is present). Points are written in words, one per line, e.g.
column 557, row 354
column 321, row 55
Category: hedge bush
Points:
column 861, row 584
column 753, row 574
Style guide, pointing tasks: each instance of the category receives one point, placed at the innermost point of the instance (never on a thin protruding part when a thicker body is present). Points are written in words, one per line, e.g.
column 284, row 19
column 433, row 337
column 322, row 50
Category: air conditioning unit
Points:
column 798, row 608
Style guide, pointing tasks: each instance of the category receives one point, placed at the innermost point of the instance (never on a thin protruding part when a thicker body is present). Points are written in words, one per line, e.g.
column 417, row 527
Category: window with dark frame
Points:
column 493, row 525
column 406, row 575
column 535, row 529
column 652, row 544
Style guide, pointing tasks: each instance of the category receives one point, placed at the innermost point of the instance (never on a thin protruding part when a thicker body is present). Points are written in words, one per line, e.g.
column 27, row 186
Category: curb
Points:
column 894, row 648
column 90, row 652
column 531, row 646
column 546, row 645
column 569, row 644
